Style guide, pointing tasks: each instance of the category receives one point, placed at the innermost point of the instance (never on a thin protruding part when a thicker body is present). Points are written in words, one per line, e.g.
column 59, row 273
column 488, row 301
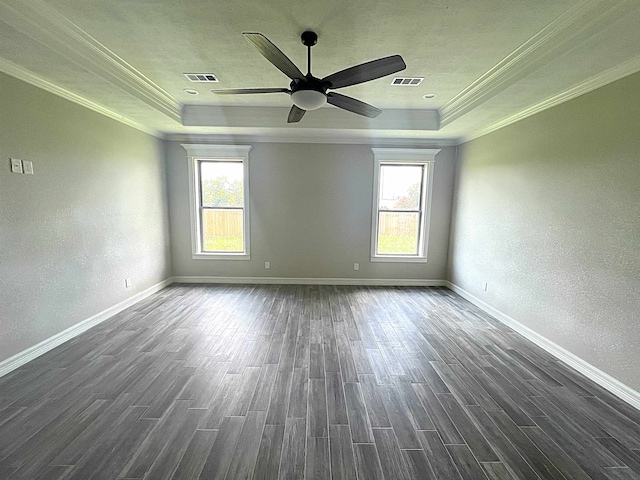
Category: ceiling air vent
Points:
column 201, row 77
column 407, row 81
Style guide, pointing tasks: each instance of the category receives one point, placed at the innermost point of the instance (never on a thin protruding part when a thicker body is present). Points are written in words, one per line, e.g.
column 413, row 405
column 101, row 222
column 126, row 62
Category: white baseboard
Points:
column 50, row 343
column 603, row 379
column 383, row 282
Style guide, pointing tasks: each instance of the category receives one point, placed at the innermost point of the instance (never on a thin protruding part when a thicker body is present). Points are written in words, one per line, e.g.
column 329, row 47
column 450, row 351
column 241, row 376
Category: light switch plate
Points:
column 16, row 165
column 27, row 165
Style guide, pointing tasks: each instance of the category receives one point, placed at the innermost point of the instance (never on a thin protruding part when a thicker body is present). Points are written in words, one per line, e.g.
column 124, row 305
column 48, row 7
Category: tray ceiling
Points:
column 490, row 62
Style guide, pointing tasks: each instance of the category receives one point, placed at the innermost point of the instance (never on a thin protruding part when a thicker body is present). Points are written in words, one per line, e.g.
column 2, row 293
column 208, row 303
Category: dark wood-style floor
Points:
column 293, row 382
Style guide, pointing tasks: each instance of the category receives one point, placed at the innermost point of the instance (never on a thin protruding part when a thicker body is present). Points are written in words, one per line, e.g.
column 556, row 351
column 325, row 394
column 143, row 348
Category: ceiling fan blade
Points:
column 295, row 114
column 366, row 71
column 240, row 91
column 353, row 105
column 274, row 55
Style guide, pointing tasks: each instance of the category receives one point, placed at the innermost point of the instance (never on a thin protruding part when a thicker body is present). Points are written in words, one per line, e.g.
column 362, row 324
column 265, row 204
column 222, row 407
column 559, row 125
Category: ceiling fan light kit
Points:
column 308, row 99
column 310, row 93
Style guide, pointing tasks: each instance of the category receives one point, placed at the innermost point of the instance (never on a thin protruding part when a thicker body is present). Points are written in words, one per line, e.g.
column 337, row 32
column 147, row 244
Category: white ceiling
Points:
column 490, row 62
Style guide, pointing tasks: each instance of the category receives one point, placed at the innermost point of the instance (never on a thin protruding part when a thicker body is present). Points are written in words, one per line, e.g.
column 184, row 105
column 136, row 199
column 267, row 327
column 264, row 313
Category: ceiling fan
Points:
column 310, row 93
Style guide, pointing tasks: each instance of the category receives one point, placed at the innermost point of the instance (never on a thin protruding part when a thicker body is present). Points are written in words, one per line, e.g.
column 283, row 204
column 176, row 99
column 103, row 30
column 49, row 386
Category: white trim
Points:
column 298, row 137
column 593, row 83
column 425, row 157
column 208, row 150
column 45, row 25
column 573, row 27
column 31, row 78
column 383, row 282
column 202, row 151
column 603, row 379
column 19, row 359
column 406, row 155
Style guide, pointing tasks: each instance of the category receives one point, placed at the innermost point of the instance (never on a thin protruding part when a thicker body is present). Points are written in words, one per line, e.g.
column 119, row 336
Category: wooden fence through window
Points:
column 228, row 223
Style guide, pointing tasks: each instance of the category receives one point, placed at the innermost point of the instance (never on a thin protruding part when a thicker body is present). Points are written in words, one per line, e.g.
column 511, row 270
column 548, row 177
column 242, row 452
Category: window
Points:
column 403, row 181
column 219, row 195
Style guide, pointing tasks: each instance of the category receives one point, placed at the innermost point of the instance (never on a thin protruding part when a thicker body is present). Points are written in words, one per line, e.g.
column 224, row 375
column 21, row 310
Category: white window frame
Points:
column 206, row 152
column 404, row 156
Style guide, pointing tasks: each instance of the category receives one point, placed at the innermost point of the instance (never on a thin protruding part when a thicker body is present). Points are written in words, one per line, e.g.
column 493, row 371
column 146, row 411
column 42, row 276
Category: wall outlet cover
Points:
column 27, row 165
column 16, row 165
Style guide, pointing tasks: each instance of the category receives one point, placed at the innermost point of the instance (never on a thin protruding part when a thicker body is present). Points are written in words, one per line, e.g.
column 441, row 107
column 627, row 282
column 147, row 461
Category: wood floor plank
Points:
column 511, row 458
column 317, row 459
column 192, row 462
column 336, row 404
column 438, row 456
column 268, row 462
column 246, row 451
column 299, row 393
column 341, row 450
column 292, row 462
column 262, row 393
column 279, row 402
column 393, row 463
column 418, row 415
column 318, row 413
column 367, row 461
column 472, row 436
column 621, row 474
column 221, row 453
column 374, row 401
column 357, row 413
column 496, row 471
column 466, row 462
column 418, row 466
column 441, row 421
column 287, row 381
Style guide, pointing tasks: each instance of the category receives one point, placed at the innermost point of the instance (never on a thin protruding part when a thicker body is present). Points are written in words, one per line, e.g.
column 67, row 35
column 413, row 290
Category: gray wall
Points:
column 310, row 215
column 548, row 213
column 94, row 213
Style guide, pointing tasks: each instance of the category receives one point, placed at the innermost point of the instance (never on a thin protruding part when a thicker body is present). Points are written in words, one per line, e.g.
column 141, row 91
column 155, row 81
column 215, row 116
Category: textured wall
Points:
column 94, row 213
column 548, row 213
column 310, row 215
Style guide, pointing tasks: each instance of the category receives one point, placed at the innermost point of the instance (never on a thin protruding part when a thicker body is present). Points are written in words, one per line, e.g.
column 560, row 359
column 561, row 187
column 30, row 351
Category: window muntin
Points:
column 401, row 204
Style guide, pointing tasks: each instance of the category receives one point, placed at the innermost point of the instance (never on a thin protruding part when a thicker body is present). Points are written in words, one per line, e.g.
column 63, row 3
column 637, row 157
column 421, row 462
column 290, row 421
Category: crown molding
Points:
column 52, row 30
column 593, row 83
column 31, row 78
column 568, row 30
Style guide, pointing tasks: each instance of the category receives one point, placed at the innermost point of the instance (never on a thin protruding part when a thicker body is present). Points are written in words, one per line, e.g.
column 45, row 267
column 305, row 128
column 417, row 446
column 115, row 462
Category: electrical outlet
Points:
column 28, row 167
column 127, row 282
column 16, row 165
column 267, row 265
column 485, row 286
column 356, row 266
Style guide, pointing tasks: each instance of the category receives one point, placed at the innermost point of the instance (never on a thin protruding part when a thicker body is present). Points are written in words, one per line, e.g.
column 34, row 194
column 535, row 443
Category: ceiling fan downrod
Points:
column 309, row 39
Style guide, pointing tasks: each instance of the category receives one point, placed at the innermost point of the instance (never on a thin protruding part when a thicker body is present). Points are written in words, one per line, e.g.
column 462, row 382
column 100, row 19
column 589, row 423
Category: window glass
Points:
column 222, row 206
column 398, row 233
column 222, row 184
column 400, row 187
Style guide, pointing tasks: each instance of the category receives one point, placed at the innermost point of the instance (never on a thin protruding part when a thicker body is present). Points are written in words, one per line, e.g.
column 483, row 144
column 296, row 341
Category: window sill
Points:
column 398, row 259
column 220, row 256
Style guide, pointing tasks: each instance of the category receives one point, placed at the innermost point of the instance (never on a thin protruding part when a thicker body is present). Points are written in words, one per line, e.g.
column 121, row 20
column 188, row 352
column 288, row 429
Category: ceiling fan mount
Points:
column 309, row 38
column 309, row 92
